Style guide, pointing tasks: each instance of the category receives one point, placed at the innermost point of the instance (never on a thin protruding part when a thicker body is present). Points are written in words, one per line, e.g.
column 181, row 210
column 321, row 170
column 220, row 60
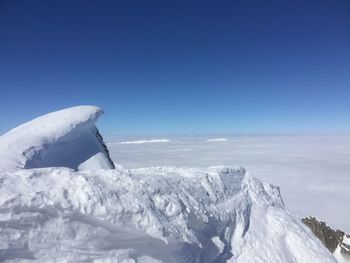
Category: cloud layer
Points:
column 312, row 170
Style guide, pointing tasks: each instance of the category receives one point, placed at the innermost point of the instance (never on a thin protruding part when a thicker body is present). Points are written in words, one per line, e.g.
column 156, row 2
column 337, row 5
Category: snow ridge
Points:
column 159, row 214
column 63, row 138
column 61, row 202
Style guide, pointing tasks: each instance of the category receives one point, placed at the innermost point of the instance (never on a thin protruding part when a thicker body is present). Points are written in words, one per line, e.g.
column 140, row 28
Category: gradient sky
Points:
column 179, row 66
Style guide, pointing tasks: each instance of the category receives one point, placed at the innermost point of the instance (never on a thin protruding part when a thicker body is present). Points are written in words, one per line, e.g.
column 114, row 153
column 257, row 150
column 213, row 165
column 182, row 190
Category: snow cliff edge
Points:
column 65, row 138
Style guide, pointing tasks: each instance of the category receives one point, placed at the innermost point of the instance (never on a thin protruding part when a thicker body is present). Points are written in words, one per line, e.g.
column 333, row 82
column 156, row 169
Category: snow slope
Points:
column 58, row 205
column 342, row 252
column 63, row 138
column 165, row 214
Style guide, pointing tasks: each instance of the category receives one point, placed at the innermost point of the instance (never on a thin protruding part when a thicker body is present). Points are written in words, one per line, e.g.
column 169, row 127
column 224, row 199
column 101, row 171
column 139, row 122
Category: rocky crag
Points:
column 336, row 241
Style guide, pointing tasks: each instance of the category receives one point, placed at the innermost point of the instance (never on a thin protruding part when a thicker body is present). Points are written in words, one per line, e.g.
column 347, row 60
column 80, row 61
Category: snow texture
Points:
column 75, row 211
column 341, row 257
column 165, row 214
column 96, row 162
column 342, row 252
column 64, row 138
column 346, row 240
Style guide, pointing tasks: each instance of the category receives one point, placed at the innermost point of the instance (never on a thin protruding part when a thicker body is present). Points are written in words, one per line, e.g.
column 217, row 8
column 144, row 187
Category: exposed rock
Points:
column 329, row 237
column 336, row 241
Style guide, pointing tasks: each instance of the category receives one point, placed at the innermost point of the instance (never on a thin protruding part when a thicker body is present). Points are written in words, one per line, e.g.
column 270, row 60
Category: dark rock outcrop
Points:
column 330, row 238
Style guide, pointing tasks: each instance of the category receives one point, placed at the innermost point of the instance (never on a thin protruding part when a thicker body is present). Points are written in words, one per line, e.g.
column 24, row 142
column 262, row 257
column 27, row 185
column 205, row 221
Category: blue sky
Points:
column 179, row 66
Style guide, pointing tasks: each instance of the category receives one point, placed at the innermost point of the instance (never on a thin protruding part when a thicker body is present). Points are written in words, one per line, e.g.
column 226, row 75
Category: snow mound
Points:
column 64, row 138
column 217, row 140
column 160, row 214
column 145, row 141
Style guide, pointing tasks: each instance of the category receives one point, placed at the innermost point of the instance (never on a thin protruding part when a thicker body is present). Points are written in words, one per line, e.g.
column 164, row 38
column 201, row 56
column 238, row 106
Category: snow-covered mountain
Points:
column 59, row 203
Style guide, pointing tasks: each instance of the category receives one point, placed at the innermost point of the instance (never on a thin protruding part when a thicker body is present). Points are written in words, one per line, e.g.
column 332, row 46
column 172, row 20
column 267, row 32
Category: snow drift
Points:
column 64, row 138
column 164, row 214
column 159, row 214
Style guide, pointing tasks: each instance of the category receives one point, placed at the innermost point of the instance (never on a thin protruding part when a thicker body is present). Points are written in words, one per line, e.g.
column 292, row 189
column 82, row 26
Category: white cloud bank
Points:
column 217, row 140
column 145, row 141
column 312, row 170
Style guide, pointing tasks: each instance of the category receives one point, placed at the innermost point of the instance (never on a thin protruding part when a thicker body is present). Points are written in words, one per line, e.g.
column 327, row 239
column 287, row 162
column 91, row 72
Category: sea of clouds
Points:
column 313, row 171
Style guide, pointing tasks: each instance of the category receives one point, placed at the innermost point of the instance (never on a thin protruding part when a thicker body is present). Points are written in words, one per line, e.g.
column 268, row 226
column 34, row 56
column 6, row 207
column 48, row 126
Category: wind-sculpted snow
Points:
column 60, row 202
column 160, row 214
column 64, row 138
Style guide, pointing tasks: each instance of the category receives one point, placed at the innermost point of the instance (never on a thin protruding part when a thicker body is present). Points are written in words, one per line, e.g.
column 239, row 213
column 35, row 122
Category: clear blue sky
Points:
column 179, row 66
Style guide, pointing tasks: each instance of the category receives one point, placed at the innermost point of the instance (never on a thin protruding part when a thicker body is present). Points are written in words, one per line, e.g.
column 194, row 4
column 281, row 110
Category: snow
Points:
column 162, row 213
column 341, row 257
column 61, row 202
column 145, row 141
column 63, row 138
column 342, row 252
column 96, row 162
column 217, row 140
column 346, row 240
